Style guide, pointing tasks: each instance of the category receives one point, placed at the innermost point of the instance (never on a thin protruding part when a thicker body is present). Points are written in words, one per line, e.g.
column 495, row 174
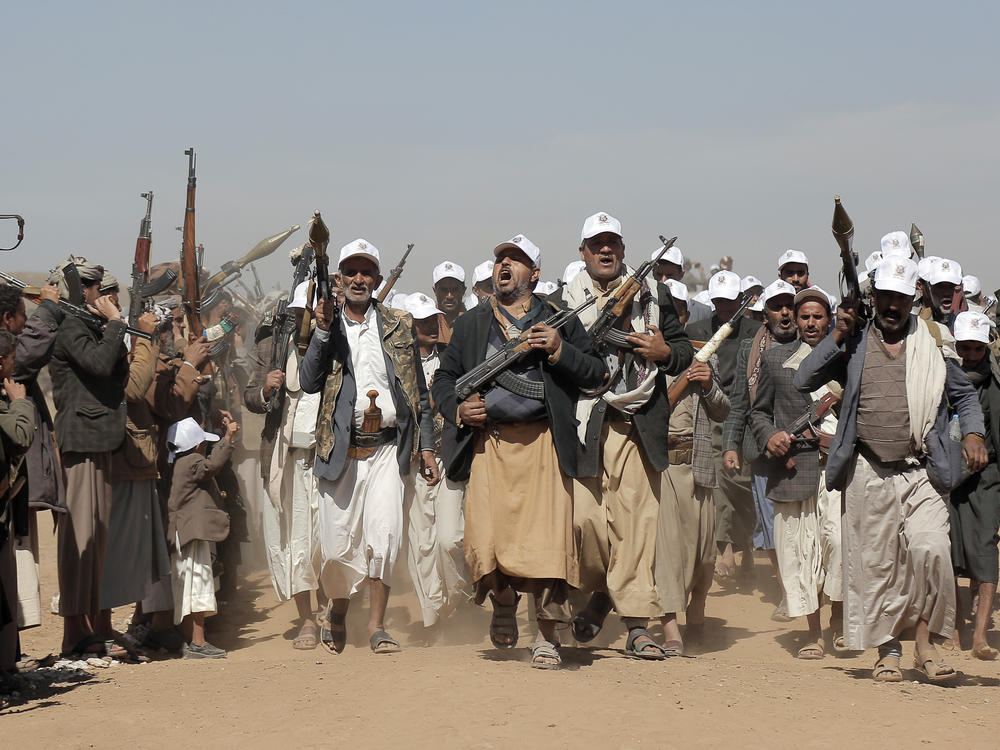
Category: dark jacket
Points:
column 652, row 419
column 327, row 367
column 778, row 404
column 35, row 343
column 255, row 402
column 735, row 434
column 89, row 371
column 195, row 507
column 135, row 458
column 577, row 367
column 844, row 364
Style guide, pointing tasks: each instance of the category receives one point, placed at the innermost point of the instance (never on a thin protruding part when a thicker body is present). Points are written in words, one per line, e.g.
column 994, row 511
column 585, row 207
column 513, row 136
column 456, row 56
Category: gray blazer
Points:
column 844, row 364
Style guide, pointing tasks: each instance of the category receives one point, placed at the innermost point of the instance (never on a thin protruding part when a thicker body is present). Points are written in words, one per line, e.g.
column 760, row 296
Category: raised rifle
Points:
column 514, row 350
column 319, row 284
column 93, row 320
column 284, row 324
column 808, row 420
column 603, row 329
column 232, row 269
column 142, row 288
column 190, row 266
column 394, row 275
column 705, row 351
column 20, row 231
column 843, row 232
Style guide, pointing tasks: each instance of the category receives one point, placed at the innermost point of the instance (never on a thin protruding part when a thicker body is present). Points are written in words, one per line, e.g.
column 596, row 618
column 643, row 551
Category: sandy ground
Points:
column 743, row 688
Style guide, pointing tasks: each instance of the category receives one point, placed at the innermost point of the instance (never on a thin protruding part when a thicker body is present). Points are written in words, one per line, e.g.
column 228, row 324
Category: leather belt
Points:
column 372, row 439
column 615, row 415
column 679, row 442
column 680, row 456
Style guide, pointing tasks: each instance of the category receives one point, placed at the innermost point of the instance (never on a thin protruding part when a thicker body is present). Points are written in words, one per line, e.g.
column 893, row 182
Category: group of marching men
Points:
column 596, row 479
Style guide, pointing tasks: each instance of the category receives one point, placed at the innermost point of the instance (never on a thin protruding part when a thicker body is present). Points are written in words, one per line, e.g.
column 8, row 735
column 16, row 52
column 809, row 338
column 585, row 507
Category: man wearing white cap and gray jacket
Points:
column 363, row 454
column 890, row 457
column 449, row 290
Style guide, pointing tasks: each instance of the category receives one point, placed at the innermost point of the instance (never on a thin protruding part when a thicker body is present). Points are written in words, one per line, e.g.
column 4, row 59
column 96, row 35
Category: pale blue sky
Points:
column 457, row 125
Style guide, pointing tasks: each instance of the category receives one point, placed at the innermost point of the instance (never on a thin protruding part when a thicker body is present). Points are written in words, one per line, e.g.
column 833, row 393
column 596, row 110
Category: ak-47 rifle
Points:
column 843, row 232
column 231, row 269
column 142, row 288
column 516, row 349
column 706, row 350
column 284, row 323
column 394, row 275
column 603, row 329
column 94, row 321
column 808, row 420
column 20, row 231
column 190, row 267
column 319, row 284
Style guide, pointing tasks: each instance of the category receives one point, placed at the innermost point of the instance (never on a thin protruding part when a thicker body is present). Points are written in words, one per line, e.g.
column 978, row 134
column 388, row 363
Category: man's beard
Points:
column 513, row 295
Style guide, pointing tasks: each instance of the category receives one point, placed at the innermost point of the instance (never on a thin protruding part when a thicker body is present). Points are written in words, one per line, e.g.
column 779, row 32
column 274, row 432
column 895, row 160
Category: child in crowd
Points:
column 196, row 519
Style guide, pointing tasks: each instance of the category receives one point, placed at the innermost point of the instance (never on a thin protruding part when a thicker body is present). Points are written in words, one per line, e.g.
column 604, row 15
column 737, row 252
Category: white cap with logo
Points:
column 299, row 297
column 924, row 266
column 677, row 290
column 896, row 274
column 724, row 285
column 482, row 272
column 945, row 270
column 749, row 282
column 777, row 289
column 792, row 256
column 704, row 298
column 897, row 244
column 420, row 306
column 971, row 285
column 573, row 269
column 522, row 243
column 359, row 248
column 448, row 270
column 972, row 326
column 598, row 223
column 673, row 255
column 184, row 435
column 545, row 288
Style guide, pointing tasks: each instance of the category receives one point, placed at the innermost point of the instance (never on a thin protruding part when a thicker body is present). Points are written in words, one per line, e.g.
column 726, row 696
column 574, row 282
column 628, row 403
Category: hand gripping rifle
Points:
column 516, row 349
column 704, row 354
column 96, row 322
column 394, row 275
column 142, row 288
column 319, row 284
column 231, row 269
column 284, row 324
column 808, row 420
column 603, row 329
column 843, row 232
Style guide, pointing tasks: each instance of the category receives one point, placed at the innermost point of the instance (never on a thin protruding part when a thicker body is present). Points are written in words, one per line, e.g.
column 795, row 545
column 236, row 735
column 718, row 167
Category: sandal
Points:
column 938, row 671
column 839, row 644
column 887, row 670
column 306, row 641
column 85, row 645
column 383, row 643
column 648, row 649
column 585, row 625
column 332, row 630
column 673, row 648
column 542, row 650
column 812, row 651
column 503, row 626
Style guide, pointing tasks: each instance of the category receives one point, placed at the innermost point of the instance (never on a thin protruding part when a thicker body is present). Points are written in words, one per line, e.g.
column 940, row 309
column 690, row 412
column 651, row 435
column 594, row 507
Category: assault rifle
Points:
column 142, row 288
column 394, row 275
column 319, row 284
column 706, row 350
column 808, row 420
column 603, row 329
column 284, row 323
column 513, row 351
column 91, row 319
column 843, row 232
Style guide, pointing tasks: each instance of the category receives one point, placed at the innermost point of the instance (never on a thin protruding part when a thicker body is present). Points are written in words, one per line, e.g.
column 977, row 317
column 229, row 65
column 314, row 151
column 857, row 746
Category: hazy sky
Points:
column 455, row 125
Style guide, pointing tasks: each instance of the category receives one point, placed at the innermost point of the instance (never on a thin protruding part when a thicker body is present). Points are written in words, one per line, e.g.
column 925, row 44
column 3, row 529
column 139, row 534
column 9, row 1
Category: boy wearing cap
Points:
column 517, row 447
column 449, row 290
column 435, row 531
column 806, row 515
column 287, row 452
column 974, row 506
column 890, row 458
column 196, row 520
column 625, row 441
column 793, row 268
column 358, row 348
column 734, row 518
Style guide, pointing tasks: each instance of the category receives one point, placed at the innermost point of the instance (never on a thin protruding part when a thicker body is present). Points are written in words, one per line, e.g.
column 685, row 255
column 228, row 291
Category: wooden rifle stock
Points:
column 190, row 266
column 394, row 275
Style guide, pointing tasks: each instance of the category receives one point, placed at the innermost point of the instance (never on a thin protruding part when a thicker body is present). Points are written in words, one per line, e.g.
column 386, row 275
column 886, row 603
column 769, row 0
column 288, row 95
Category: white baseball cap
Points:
column 673, row 255
column 448, row 270
column 792, row 256
column 470, row 301
column 545, row 288
column 522, row 243
column 703, row 298
column 945, row 270
column 896, row 274
column 972, row 326
column 396, row 300
column 184, row 435
column 677, row 290
column 897, row 244
column 299, row 297
column 749, row 282
column 598, row 223
column 724, row 285
column 757, row 306
column 872, row 261
column 360, row 247
column 572, row 270
column 779, row 288
column 972, row 285
column 482, row 272
column 420, row 306
column 924, row 266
